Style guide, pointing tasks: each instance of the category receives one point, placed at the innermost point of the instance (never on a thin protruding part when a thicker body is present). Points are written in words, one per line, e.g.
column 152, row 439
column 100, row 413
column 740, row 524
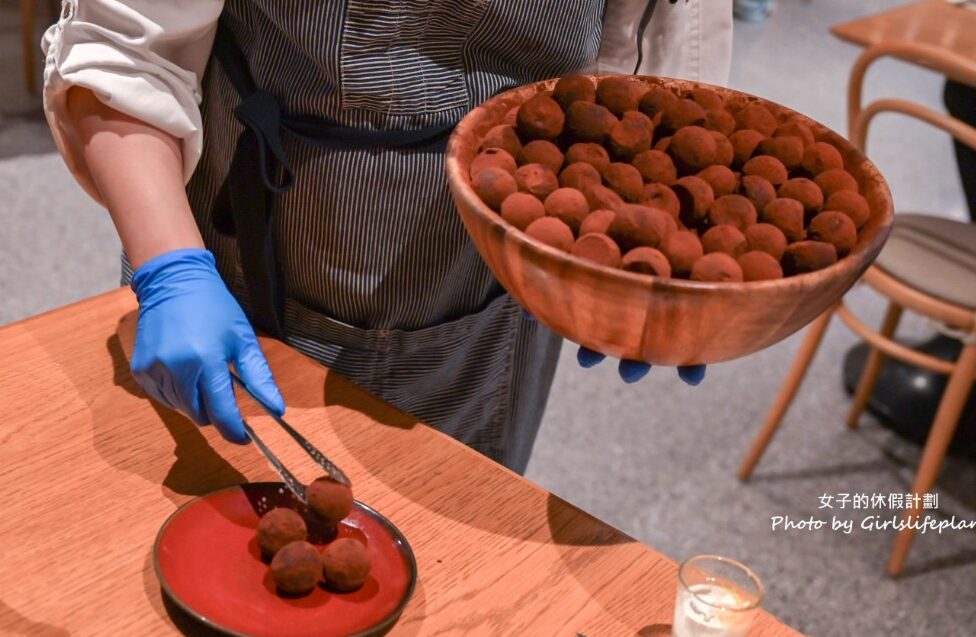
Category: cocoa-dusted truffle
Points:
column 540, row 117
column 682, row 250
column 726, row 239
column 635, row 226
column 695, row 197
column 541, row 151
column 830, row 181
column 767, row 238
column 734, row 210
column 597, row 221
column 716, row 266
column 655, row 100
column 569, row 205
column 852, row 204
column 808, row 256
column 602, row 198
column 345, row 564
column 493, row 185
column 279, row 527
column 759, row 266
column 655, row 167
column 707, row 98
column 787, row 215
column 574, row 88
column 721, row 178
column 806, row 192
column 588, row 122
column 793, row 128
column 618, row 94
column 719, row 119
column 636, row 117
column 579, row 175
column 536, row 179
column 692, row 148
column 296, row 568
column 836, row 228
column 744, row 144
column 520, row 209
column 758, row 190
column 597, row 247
column 493, row 158
column 755, row 117
column 821, row 156
column 590, row 153
column 682, row 113
column 503, row 136
column 647, row 261
column 629, row 137
column 788, row 150
column 625, row 180
column 552, row 232
column 329, row 499
column 767, row 167
column 662, row 197
column 724, row 153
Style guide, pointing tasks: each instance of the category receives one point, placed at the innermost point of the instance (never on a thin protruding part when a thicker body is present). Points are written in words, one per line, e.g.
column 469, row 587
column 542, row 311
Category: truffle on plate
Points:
column 733, row 210
column 345, row 564
column 540, row 117
column 536, row 179
column 765, row 237
column 278, row 527
column 330, row 500
column 682, row 250
column 655, row 167
column 808, row 256
column 617, row 93
column 726, row 239
column 821, row 156
column 755, row 117
column 597, row 247
column 296, row 568
column 590, row 153
column 568, row 205
column 744, row 144
column 719, row 119
column 794, row 128
column 588, row 122
column 552, row 232
column 646, row 260
column 806, row 192
column 724, row 153
column 692, row 148
column 635, row 226
column 758, row 190
column 662, row 197
column 663, row 144
column 695, row 197
column 655, row 100
column 836, row 228
column 769, row 168
column 629, row 137
column 636, row 117
column 788, row 150
column 717, row 267
column 852, row 204
column 574, row 88
column 625, row 180
column 492, row 185
column 520, row 209
column 503, row 136
column 579, row 175
column 721, row 178
column 597, row 221
column 759, row 266
column 830, row 181
column 602, row 198
column 541, row 151
column 682, row 113
column 707, row 98
column 787, row 215
column 493, row 158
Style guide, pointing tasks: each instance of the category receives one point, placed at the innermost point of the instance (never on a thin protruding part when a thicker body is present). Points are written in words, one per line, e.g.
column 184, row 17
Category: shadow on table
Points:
column 13, row 623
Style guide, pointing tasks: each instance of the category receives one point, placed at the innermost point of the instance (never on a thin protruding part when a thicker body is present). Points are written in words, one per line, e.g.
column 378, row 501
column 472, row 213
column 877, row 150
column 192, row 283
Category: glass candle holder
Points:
column 717, row 597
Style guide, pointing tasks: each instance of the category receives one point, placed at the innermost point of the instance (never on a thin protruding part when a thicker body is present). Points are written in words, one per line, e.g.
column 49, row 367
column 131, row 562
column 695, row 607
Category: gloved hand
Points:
column 633, row 371
column 190, row 328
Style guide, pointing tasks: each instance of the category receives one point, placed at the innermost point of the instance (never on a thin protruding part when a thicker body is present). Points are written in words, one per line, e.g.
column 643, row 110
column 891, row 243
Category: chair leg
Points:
column 943, row 428
column 869, row 375
column 27, row 34
column 786, row 393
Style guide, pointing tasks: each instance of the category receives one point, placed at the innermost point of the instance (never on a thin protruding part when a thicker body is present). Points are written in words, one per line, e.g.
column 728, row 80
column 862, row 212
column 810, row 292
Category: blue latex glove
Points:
column 190, row 328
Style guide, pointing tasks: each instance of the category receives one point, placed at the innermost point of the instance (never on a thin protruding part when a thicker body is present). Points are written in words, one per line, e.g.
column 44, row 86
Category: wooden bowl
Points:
column 640, row 317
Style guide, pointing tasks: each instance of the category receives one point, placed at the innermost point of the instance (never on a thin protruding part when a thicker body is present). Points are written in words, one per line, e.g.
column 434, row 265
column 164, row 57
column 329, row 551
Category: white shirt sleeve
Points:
column 144, row 58
column 687, row 39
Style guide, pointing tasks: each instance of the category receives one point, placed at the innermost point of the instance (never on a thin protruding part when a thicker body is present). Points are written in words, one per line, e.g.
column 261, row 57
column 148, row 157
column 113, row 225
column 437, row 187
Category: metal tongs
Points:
column 289, row 479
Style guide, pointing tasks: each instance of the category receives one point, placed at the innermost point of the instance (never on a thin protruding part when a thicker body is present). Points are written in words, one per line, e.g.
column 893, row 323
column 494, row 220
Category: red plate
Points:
column 208, row 562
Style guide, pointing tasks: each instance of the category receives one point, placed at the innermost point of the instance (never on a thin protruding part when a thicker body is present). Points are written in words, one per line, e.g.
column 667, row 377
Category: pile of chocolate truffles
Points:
column 297, row 566
column 634, row 175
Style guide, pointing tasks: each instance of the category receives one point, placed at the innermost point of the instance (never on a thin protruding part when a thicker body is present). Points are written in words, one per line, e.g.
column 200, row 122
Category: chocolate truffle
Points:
column 788, row 150
column 647, row 261
column 597, row 247
column 787, row 215
column 296, row 568
column 682, row 250
column 568, row 205
column 602, row 198
column 808, row 256
column 662, row 197
column 625, row 180
column 629, row 137
column 617, row 93
column 637, row 117
column 716, row 266
column 755, row 117
column 721, row 178
column 655, row 167
column 769, row 168
column 758, row 190
column 493, row 185
column 830, row 181
column 695, row 197
column 520, row 209
column 682, row 113
column 278, row 527
column 574, row 88
column 767, row 238
column 579, row 175
column 588, row 122
column 331, row 500
column 734, row 210
column 540, row 117
column 821, row 156
column 851, row 204
column 552, row 232
column 656, row 100
column 794, row 128
column 590, row 153
column 719, row 119
column 345, row 564
column 692, row 148
column 504, row 137
column 541, row 151
column 707, row 98
column 597, row 221
column 635, row 226
column 727, row 239
column 536, row 179
column 663, row 144
column 744, row 144
column 806, row 192
column 836, row 228
column 724, row 153
column 759, row 266
column 493, row 158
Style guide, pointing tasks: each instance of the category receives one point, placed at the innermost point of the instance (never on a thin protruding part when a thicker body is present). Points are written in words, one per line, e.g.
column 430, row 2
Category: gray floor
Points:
column 657, row 459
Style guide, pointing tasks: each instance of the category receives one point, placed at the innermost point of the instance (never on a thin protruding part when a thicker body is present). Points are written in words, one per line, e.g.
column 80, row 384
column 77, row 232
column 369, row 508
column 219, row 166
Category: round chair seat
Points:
column 934, row 255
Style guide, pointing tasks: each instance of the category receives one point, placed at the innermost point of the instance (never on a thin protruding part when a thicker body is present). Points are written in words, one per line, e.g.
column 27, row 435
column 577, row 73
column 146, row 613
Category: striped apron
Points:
column 379, row 279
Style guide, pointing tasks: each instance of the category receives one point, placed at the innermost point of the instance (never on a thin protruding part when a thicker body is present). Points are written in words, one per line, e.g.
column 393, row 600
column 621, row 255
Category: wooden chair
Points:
column 928, row 266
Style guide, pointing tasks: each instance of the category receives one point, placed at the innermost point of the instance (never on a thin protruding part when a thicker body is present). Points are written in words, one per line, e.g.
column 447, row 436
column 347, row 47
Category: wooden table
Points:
column 90, row 469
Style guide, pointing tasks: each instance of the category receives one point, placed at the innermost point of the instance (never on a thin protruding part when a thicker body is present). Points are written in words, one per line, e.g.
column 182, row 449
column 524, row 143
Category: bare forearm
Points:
column 138, row 170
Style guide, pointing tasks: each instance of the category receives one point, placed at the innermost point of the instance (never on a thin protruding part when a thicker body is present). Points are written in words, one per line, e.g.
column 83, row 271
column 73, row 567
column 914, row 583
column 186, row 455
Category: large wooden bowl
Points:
column 639, row 317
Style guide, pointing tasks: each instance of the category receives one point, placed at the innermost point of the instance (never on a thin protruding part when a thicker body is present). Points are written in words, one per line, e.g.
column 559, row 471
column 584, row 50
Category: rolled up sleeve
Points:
column 144, row 58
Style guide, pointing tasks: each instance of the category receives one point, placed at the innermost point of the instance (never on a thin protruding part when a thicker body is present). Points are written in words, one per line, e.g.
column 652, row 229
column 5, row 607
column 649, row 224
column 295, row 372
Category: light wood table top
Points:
column 90, row 469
